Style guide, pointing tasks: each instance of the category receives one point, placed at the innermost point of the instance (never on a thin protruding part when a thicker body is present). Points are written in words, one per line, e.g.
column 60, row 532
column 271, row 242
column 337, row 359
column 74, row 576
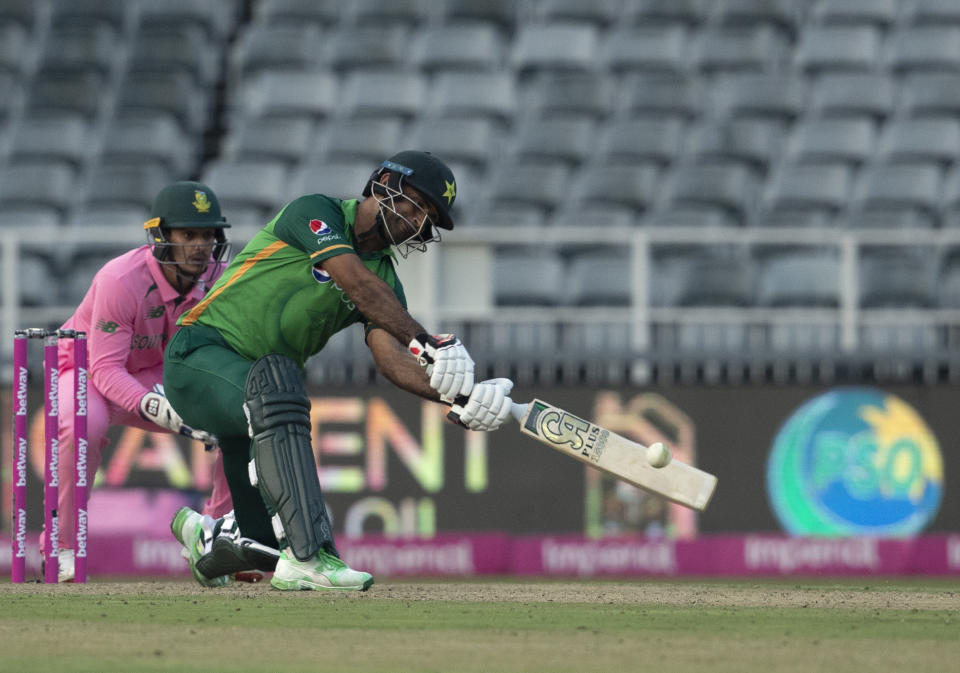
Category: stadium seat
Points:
column 876, row 13
column 377, row 93
column 759, row 95
column 343, row 180
column 645, row 139
column 393, row 13
column 951, row 197
column 173, row 93
column 503, row 13
column 216, row 17
column 559, row 47
column 59, row 92
column 38, row 277
column 63, row 136
column 144, row 138
column 49, row 185
column 458, row 47
column 801, row 277
column 838, row 48
column 931, row 12
column 371, row 140
column 468, row 94
column 883, row 216
column 486, row 213
column 113, row 185
column 754, row 49
column 932, row 139
column 176, row 49
column 373, row 48
column 601, row 13
column 269, row 138
column 903, row 338
column 633, row 185
column 121, row 216
column 276, row 47
column 786, row 15
column 723, row 184
column 569, row 141
column 79, row 48
column 915, row 186
column 534, row 184
column 114, row 13
column 581, row 94
column 707, row 276
column 829, row 140
column 13, row 48
column 473, row 141
column 288, row 94
column 23, row 12
column 663, row 95
column 755, row 142
column 897, row 277
column 529, row 277
column 786, row 218
column 247, row 184
column 689, row 13
column 948, row 282
column 29, row 220
column 600, row 277
column 660, row 49
column 925, row 49
column 298, row 12
column 822, row 187
column 925, row 94
column 852, row 94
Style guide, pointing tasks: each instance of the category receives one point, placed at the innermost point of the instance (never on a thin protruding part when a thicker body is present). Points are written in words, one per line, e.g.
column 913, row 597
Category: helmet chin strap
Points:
column 377, row 231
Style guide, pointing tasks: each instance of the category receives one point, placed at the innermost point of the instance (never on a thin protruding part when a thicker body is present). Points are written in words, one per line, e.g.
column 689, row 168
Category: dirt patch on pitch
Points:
column 872, row 595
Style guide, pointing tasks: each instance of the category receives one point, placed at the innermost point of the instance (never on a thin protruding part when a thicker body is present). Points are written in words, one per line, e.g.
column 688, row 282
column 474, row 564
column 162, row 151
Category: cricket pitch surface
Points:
column 867, row 624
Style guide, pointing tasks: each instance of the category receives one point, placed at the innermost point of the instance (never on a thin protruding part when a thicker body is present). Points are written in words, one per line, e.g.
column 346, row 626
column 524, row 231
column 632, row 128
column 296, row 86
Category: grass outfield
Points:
column 874, row 625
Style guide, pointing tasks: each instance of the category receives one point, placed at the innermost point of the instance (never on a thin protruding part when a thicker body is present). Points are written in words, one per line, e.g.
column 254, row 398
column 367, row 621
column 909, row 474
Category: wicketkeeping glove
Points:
column 155, row 407
column 487, row 407
column 447, row 362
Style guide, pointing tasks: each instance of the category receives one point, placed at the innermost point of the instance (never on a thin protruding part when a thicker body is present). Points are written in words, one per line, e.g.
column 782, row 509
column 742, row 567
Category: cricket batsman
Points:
column 235, row 368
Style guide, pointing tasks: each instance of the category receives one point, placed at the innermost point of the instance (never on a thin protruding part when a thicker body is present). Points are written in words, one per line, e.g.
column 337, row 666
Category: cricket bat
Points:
column 615, row 455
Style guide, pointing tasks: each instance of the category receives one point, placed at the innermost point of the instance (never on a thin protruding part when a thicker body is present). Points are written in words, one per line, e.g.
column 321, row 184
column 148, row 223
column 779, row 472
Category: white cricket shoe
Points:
column 195, row 533
column 324, row 571
column 65, row 572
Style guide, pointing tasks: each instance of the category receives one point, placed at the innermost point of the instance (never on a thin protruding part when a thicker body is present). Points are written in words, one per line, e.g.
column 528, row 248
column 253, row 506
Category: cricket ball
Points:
column 658, row 455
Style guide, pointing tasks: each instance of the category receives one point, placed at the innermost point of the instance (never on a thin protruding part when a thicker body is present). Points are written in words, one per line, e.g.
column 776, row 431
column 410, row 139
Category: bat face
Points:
column 565, row 432
column 616, row 455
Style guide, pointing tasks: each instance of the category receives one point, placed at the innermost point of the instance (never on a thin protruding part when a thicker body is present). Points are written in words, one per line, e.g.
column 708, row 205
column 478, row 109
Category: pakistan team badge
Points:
column 855, row 461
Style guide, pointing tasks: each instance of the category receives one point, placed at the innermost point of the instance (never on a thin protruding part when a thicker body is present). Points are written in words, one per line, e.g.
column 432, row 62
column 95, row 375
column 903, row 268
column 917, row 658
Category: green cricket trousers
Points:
column 204, row 380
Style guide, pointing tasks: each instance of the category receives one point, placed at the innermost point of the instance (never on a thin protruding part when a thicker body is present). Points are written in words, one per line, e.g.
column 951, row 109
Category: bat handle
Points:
column 518, row 411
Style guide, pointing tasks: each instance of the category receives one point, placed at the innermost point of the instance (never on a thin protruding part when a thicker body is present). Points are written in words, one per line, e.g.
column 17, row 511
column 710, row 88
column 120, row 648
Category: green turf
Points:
column 121, row 629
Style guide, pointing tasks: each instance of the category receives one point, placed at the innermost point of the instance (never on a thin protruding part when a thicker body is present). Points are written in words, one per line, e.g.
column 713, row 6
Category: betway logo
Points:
column 81, row 462
column 20, row 534
column 54, row 462
column 81, row 550
column 22, row 392
column 81, row 406
column 54, row 532
column 52, row 395
column 788, row 555
column 21, row 462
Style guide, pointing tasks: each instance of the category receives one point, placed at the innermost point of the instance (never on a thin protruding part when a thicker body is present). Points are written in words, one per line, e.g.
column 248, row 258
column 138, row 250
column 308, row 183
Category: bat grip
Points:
column 518, row 411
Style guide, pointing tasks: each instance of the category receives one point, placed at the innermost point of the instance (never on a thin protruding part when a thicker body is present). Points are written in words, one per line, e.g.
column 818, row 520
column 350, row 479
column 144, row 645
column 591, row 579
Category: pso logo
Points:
column 855, row 461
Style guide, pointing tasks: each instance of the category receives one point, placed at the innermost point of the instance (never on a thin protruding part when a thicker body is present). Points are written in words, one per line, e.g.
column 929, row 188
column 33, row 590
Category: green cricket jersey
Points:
column 274, row 298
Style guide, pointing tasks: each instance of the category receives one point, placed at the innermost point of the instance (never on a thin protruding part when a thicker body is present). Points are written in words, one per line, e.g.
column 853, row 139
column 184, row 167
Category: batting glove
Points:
column 447, row 362
column 487, row 407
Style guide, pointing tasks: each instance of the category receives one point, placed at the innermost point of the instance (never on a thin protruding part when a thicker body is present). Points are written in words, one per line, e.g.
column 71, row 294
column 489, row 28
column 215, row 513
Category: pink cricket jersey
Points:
column 129, row 314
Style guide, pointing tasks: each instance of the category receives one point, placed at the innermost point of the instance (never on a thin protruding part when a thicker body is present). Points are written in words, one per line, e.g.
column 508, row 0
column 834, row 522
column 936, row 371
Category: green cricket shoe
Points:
column 189, row 527
column 324, row 571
